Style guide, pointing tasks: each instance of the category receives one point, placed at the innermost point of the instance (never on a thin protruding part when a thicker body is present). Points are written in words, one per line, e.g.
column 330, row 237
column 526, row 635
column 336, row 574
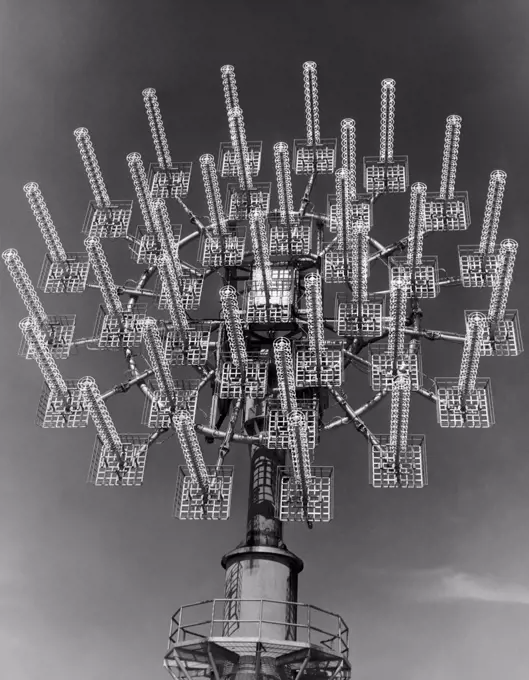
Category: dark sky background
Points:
column 433, row 583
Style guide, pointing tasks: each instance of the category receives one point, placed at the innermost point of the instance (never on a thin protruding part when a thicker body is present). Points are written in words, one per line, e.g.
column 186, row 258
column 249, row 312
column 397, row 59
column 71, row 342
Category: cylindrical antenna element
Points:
column 46, row 226
column 240, row 147
column 400, row 414
column 348, row 143
column 92, row 169
column 502, row 281
column 185, row 431
column 397, row 318
column 101, row 417
column 314, row 312
column 24, row 286
column 260, row 243
column 141, row 187
column 450, row 152
column 359, row 263
column 387, row 120
column 285, row 374
column 299, row 449
column 213, row 197
column 229, row 84
column 417, row 225
column 158, row 360
column 99, row 264
column 44, row 358
column 284, row 181
column 175, row 302
column 344, row 216
column 164, row 233
column 157, row 129
column 491, row 219
column 476, row 325
column 232, row 321
column 312, row 113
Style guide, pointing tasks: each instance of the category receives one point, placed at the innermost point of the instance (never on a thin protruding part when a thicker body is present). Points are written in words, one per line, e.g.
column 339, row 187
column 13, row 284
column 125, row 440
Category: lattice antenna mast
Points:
column 359, row 263
column 44, row 358
column 399, row 416
column 450, row 153
column 491, row 219
column 101, row 269
column 157, row 128
column 25, row 287
column 416, row 228
column 185, row 430
column 45, row 222
column 312, row 112
column 284, row 182
column 387, row 120
column 213, row 197
column 476, row 324
column 397, row 323
column 141, row 187
column 343, row 213
column 285, row 374
column 502, row 281
column 91, row 166
column 313, row 294
column 158, row 360
column 232, row 320
column 101, row 417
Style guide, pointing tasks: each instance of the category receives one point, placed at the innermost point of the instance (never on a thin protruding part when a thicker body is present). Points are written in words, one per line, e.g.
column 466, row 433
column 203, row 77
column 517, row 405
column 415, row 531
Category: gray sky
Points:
column 433, row 583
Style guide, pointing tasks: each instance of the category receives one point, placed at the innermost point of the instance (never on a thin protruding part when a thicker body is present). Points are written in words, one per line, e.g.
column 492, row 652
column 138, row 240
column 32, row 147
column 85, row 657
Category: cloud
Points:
column 446, row 584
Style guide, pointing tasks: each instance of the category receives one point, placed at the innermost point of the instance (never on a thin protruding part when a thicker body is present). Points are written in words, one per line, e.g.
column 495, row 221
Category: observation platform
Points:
column 235, row 637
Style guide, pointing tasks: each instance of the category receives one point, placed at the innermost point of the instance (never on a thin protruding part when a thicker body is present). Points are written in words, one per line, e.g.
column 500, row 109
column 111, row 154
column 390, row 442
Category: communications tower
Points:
column 274, row 357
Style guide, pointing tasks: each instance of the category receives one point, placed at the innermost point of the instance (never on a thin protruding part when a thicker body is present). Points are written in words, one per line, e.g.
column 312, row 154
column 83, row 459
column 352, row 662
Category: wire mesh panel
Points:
column 278, row 307
column 292, row 239
column 232, row 382
column 451, row 214
column 189, row 503
column 314, row 371
column 361, row 208
column 111, row 222
column 240, row 203
column 58, row 337
column 107, row 469
column 334, row 265
column 192, row 350
column 224, row 250
column 348, row 320
column 157, row 412
column 477, row 270
column 382, row 370
column 145, row 248
column 320, row 506
column 53, row 412
column 227, row 166
column 115, row 332
column 276, row 423
column 503, row 338
column 323, row 155
column 191, row 285
column 407, row 470
column 169, row 182
column 64, row 277
column 426, row 281
column 456, row 409
column 386, row 176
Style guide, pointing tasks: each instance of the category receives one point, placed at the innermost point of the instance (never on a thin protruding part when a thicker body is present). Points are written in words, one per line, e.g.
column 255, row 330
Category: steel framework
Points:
column 273, row 358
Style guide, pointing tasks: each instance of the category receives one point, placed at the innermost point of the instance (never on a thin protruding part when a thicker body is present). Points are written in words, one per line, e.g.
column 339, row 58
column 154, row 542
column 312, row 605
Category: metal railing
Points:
column 206, row 619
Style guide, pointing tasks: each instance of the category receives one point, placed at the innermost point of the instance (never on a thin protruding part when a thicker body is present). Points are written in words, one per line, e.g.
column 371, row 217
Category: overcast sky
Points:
column 433, row 583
